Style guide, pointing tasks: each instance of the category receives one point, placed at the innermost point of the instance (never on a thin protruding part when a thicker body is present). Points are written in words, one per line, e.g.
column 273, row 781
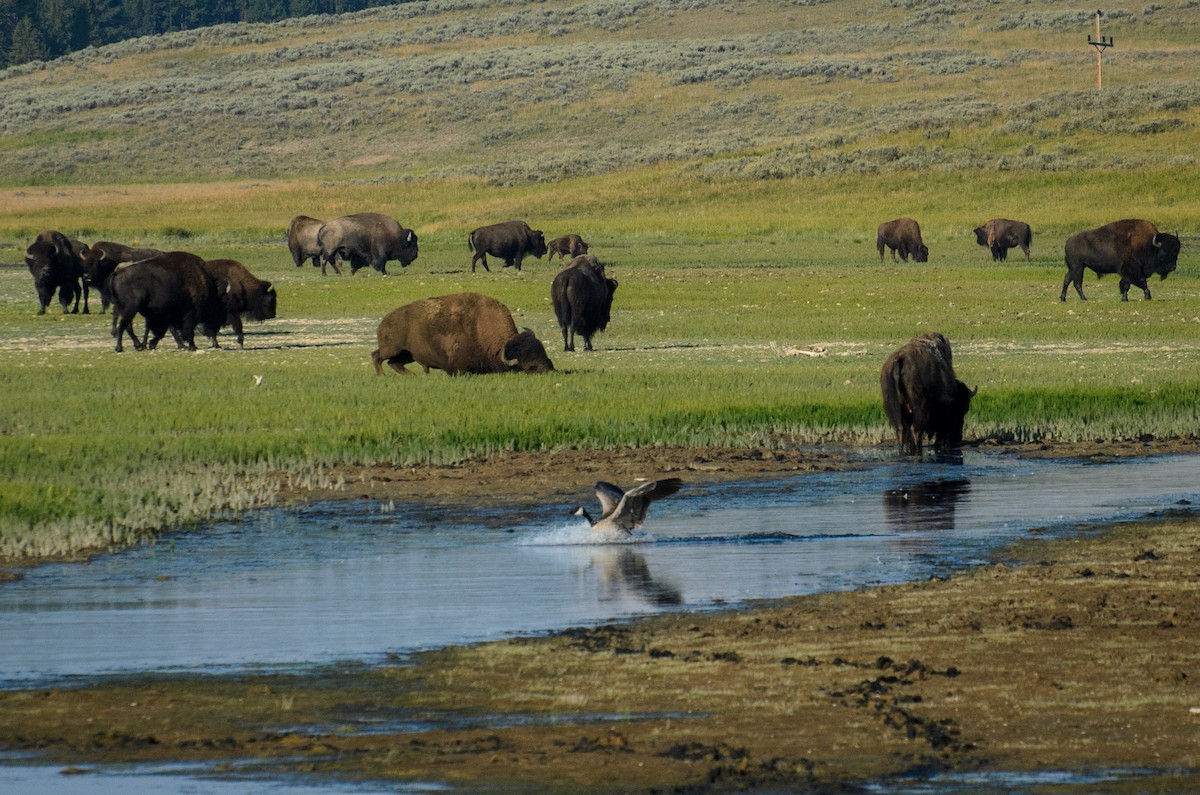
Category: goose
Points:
column 625, row 510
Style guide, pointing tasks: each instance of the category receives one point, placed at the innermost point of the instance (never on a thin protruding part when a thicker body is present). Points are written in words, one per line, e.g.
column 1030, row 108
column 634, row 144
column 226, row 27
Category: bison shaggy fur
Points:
column 582, row 296
column 1134, row 249
column 921, row 396
column 304, row 242
column 56, row 263
column 1001, row 234
column 459, row 333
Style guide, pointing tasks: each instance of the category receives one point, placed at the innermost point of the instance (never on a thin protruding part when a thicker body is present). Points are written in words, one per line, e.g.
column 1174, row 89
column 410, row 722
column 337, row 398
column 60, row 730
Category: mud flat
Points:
column 1075, row 655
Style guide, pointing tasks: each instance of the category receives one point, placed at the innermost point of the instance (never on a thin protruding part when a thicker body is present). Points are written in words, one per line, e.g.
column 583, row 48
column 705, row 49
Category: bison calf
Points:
column 567, row 246
column 582, row 298
column 460, row 333
column 921, row 395
column 902, row 235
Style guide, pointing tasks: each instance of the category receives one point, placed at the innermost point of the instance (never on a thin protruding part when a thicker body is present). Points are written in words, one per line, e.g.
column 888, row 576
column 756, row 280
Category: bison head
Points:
column 526, row 353
column 537, row 243
column 408, row 248
column 949, row 434
column 1166, row 253
column 981, row 236
column 262, row 306
column 921, row 253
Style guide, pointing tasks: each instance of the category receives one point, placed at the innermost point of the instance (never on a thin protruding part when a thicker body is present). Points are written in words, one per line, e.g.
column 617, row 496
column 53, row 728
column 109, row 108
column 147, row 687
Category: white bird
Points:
column 258, row 380
column 626, row 510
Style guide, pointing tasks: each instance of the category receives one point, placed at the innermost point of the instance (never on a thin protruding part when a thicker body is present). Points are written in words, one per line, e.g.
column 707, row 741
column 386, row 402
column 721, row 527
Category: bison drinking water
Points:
column 460, row 333
column 902, row 235
column 1132, row 248
column 921, row 396
column 1001, row 234
column 582, row 298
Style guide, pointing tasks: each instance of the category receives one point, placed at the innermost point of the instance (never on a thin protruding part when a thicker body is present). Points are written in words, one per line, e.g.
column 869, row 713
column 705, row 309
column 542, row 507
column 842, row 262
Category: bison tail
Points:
column 471, row 242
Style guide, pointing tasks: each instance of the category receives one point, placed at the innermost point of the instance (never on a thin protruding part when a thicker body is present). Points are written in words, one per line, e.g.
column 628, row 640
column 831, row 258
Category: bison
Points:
column 1001, row 234
column 172, row 291
column 1132, row 248
column 367, row 239
column 243, row 294
column 567, row 246
column 460, row 333
column 582, row 298
column 304, row 243
column 921, row 395
column 104, row 257
column 902, row 235
column 510, row 240
column 56, row 263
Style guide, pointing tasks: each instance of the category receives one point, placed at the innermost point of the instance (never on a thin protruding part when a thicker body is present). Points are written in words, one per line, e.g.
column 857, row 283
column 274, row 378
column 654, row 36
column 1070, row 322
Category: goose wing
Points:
column 609, row 495
column 631, row 510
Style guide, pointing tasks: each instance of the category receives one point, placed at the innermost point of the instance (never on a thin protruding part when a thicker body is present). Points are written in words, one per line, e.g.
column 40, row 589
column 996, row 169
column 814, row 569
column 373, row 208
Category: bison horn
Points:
column 974, row 391
column 1156, row 242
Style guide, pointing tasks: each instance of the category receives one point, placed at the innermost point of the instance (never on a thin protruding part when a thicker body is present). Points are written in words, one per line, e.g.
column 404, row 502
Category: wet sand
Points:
column 1071, row 655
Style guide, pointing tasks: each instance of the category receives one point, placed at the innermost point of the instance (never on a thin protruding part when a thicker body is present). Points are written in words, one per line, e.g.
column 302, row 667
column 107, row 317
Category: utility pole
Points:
column 1101, row 43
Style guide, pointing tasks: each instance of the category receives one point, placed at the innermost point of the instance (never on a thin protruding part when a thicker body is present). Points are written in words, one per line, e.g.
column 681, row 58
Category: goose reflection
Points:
column 929, row 505
column 625, row 571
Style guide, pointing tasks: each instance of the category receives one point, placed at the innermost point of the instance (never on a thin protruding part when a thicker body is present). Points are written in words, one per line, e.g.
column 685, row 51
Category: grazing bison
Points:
column 103, row 258
column 510, row 240
column 1132, row 248
column 172, row 291
column 921, row 396
column 304, row 243
column 367, row 239
column 243, row 294
column 902, row 235
column 460, row 333
column 567, row 246
column 56, row 263
column 1001, row 234
column 582, row 298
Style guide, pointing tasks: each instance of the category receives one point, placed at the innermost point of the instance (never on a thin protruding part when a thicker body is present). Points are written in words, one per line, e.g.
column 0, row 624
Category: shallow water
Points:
column 353, row 581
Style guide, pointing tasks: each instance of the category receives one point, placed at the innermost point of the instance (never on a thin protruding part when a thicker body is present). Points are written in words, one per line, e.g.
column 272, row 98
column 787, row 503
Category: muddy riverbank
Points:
column 1071, row 655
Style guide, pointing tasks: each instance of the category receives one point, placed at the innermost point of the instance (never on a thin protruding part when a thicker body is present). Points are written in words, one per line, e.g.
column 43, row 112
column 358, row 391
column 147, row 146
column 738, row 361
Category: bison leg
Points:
column 235, row 322
column 1075, row 278
column 481, row 258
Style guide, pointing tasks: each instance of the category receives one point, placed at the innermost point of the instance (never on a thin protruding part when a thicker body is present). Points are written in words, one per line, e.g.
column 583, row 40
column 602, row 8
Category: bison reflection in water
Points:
column 924, row 506
column 1132, row 248
column 459, row 333
column 921, row 395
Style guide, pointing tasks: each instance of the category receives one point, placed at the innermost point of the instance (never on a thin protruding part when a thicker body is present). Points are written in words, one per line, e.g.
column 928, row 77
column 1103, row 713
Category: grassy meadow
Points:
column 728, row 162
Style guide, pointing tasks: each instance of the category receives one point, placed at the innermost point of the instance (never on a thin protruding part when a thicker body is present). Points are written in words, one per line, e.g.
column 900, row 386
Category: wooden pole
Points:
column 1099, row 71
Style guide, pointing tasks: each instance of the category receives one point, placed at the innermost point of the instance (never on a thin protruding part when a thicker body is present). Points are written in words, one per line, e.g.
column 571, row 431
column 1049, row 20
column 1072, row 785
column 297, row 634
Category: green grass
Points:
column 731, row 178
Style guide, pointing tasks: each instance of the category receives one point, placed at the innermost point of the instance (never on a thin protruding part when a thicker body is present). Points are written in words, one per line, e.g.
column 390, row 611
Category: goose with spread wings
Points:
column 626, row 510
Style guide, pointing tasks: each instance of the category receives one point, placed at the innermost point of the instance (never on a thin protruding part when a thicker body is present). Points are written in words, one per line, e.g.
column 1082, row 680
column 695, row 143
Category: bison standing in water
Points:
column 902, row 235
column 921, row 395
column 1001, row 234
column 510, row 241
column 460, row 333
column 582, row 296
column 1132, row 248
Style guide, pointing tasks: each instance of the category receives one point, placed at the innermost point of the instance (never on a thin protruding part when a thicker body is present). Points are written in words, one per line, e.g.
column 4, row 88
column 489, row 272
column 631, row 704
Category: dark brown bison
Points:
column 1132, row 248
column 173, row 292
column 56, row 263
column 1001, row 234
column 567, row 246
column 243, row 294
column 902, row 235
column 367, row 239
column 921, row 396
column 510, row 240
column 304, row 243
column 582, row 296
column 460, row 333
column 104, row 257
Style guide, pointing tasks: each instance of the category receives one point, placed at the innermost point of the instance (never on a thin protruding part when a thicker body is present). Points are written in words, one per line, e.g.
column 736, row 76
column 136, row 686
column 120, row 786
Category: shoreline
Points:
column 1074, row 654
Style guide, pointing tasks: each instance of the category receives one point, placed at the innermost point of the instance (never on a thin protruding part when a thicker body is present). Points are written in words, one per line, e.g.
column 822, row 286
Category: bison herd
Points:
column 469, row 332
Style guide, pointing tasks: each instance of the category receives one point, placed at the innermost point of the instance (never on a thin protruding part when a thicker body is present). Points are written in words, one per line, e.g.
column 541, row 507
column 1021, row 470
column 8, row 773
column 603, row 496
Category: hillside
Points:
column 519, row 92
